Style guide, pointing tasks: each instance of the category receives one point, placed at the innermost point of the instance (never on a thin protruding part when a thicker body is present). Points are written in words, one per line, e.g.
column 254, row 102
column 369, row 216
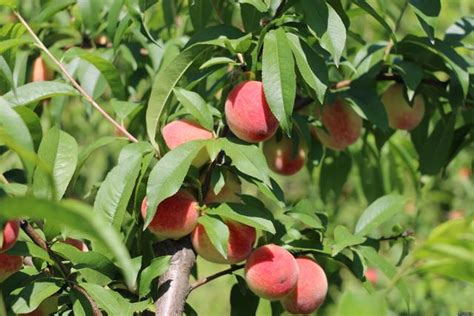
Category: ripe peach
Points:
column 41, row 72
column 271, row 272
column 79, row 244
column 310, row 290
column 281, row 158
column 241, row 240
column 11, row 230
column 342, row 123
column 371, row 275
column 400, row 114
column 247, row 113
column 179, row 132
column 228, row 193
column 9, row 264
column 175, row 217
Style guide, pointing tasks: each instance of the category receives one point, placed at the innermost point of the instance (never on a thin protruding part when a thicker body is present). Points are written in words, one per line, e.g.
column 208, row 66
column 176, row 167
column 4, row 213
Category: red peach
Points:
column 79, row 244
column 342, row 123
column 241, row 240
column 372, row 275
column 228, row 193
column 11, row 230
column 280, row 156
column 9, row 264
column 310, row 291
column 41, row 72
column 400, row 114
column 271, row 272
column 180, row 132
column 175, row 217
column 247, row 113
column 464, row 173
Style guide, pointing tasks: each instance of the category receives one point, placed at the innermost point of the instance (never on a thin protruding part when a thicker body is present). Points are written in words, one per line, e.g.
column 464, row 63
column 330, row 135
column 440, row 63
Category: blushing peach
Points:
column 271, row 272
column 342, row 123
column 41, row 72
column 247, row 113
column 310, row 290
column 11, row 230
column 241, row 240
column 400, row 114
column 372, row 275
column 79, row 244
column 9, row 264
column 281, row 157
column 175, row 217
column 180, row 132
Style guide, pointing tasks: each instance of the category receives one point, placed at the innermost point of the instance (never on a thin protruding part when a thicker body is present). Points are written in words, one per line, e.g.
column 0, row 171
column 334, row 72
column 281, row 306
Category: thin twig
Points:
column 208, row 279
column 74, row 82
column 95, row 309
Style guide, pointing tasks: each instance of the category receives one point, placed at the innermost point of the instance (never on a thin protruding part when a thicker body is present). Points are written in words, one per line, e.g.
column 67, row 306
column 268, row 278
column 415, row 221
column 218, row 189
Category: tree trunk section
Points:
column 173, row 285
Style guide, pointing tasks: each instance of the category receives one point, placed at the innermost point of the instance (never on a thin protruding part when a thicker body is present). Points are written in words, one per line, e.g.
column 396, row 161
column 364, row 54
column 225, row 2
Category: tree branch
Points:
column 173, row 285
column 208, row 279
column 74, row 82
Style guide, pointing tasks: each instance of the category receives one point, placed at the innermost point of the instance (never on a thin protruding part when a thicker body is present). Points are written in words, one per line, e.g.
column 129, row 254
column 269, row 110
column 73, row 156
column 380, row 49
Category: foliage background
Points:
column 439, row 195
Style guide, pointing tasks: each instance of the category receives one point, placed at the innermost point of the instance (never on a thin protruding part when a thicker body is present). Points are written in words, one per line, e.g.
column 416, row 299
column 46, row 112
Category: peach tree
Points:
column 314, row 154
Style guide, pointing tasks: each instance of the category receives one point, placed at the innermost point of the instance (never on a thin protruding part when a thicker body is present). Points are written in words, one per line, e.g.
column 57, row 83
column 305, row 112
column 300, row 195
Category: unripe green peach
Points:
column 400, row 114
column 239, row 246
column 11, row 230
column 271, row 272
column 280, row 156
column 9, row 264
column 180, row 132
column 247, row 113
column 342, row 123
column 175, row 217
column 310, row 291
column 228, row 193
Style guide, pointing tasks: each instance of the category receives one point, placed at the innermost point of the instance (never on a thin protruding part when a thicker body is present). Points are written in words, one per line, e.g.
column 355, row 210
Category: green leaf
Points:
column 157, row 267
column 199, row 11
column 33, row 123
column 22, row 248
column 311, row 66
column 106, row 68
column 278, row 76
column 28, row 298
column 196, row 106
column 260, row 5
column 163, row 85
column 123, row 108
column 90, row 12
column 59, row 151
column 334, row 173
column 324, row 21
column 427, row 12
column 11, row 43
column 435, row 152
column 247, row 159
column 217, row 231
column 37, row 91
column 168, row 174
column 108, row 300
column 309, row 220
column 251, row 17
column 146, row 4
column 242, row 301
column 75, row 217
column 113, row 17
column 115, row 192
column 89, row 259
column 343, row 239
column 412, row 75
column 386, row 268
column 15, row 129
column 363, row 4
column 245, row 214
column 378, row 212
column 50, row 9
column 218, row 61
